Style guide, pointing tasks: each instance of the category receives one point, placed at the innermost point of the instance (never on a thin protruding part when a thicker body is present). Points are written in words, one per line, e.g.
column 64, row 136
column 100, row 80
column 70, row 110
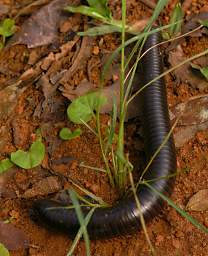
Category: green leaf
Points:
column 5, row 165
column 7, row 27
column 204, row 23
column 100, row 30
column 32, row 158
column 176, row 20
column 3, row 250
column 85, row 10
column 204, row 70
column 82, row 108
column 67, row 134
column 101, row 6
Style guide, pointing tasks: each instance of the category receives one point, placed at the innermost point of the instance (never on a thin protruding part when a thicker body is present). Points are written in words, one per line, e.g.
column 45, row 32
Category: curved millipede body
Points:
column 123, row 217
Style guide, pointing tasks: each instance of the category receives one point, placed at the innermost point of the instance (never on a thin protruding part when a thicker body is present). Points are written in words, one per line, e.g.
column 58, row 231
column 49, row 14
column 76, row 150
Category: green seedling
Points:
column 67, row 134
column 5, row 164
column 31, row 158
column 82, row 108
column 176, row 19
column 7, row 29
column 203, row 71
column 96, row 9
column 99, row 10
column 3, row 250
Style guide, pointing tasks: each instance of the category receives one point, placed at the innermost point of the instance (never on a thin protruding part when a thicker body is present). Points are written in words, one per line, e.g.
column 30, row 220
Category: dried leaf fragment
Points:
column 184, row 73
column 42, row 27
column 12, row 237
column 44, row 187
column 199, row 201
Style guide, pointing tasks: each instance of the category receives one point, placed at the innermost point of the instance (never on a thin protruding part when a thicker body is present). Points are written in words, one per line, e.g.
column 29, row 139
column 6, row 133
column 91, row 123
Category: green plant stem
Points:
column 80, row 232
column 92, row 168
column 178, row 209
column 140, row 214
column 158, row 150
column 120, row 147
column 108, row 170
column 167, row 72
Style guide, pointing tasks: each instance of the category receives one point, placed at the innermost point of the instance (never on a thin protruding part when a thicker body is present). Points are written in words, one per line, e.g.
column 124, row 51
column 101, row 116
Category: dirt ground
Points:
column 31, row 97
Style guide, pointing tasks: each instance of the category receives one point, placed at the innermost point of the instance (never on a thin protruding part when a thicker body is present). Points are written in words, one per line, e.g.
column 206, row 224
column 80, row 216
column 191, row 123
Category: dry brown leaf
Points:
column 184, row 134
column 42, row 27
column 44, row 187
column 4, row 9
column 199, row 201
column 192, row 112
column 29, row 9
column 12, row 237
column 77, row 63
column 184, row 73
column 193, row 22
column 193, row 118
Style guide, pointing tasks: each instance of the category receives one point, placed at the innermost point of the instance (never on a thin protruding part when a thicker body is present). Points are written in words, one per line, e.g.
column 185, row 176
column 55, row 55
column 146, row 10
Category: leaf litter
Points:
column 13, row 238
column 199, row 201
column 42, row 27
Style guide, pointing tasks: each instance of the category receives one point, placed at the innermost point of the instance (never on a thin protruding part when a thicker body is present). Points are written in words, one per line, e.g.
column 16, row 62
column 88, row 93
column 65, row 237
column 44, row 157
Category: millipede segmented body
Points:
column 124, row 216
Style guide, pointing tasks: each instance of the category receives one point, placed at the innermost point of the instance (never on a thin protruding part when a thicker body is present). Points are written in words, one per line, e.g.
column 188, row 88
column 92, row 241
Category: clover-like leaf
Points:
column 7, row 27
column 82, row 108
column 5, row 164
column 3, row 250
column 32, row 158
column 67, row 134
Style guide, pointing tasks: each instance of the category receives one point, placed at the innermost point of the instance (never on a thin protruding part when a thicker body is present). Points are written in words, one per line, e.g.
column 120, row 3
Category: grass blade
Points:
column 127, row 43
column 81, row 220
column 141, row 216
column 85, row 10
column 100, row 30
column 90, row 194
column 178, row 209
column 177, row 15
column 80, row 232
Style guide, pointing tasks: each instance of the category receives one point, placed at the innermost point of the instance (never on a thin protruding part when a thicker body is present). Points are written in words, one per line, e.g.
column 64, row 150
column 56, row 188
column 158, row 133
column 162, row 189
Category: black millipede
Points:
column 124, row 217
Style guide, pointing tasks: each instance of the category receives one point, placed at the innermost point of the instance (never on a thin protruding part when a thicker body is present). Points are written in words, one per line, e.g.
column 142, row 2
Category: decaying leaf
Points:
column 199, row 201
column 42, row 27
column 13, row 238
column 192, row 112
column 184, row 134
column 4, row 9
column 30, row 8
column 111, row 92
column 44, row 187
column 79, row 60
column 185, row 73
column 194, row 22
column 193, row 118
